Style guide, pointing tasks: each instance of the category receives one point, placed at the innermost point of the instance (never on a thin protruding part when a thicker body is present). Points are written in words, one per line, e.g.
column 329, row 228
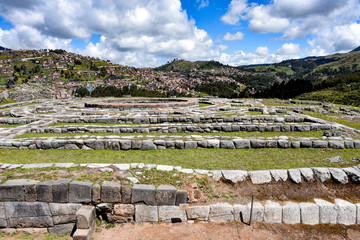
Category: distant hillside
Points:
column 6, row 49
column 312, row 68
column 187, row 66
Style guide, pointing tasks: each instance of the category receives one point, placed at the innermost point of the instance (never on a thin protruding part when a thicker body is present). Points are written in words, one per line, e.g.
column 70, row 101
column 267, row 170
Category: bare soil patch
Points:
column 228, row 231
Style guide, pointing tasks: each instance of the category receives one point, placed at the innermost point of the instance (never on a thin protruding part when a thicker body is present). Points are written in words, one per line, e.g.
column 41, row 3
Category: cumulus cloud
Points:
column 318, row 19
column 262, row 51
column 233, row 37
column 289, row 49
column 203, row 3
column 142, row 31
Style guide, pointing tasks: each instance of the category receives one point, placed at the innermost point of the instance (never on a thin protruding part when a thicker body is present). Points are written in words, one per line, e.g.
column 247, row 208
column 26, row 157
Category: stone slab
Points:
column 142, row 193
column 80, row 192
column 172, row 213
column 111, row 192
column 165, row 195
column 85, row 217
column 272, row 212
column 291, row 213
column 234, row 175
column 200, row 213
column 346, row 212
column 327, row 212
column 144, row 213
column 279, row 174
column 260, row 177
column 221, row 212
column 310, row 213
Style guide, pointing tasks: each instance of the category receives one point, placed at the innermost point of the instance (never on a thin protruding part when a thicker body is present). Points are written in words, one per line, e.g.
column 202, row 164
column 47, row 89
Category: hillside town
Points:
column 64, row 72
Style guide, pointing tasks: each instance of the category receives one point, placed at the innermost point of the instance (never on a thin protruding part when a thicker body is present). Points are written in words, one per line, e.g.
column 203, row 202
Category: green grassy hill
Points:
column 187, row 66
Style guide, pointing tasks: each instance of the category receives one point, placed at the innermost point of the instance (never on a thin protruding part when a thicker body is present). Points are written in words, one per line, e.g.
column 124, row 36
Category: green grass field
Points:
column 245, row 159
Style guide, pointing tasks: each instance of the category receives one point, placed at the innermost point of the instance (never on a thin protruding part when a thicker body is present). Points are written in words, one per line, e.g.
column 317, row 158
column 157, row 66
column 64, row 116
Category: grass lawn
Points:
column 245, row 159
column 316, row 134
column 205, row 104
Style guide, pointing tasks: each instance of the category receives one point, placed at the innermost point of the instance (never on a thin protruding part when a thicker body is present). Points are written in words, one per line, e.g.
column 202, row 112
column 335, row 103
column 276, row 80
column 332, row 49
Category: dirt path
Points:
column 226, row 231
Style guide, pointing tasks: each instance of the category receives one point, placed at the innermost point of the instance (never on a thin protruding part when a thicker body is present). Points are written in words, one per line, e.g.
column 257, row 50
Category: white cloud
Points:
column 262, row 51
column 233, row 37
column 203, row 3
column 236, row 11
column 141, row 31
column 289, row 49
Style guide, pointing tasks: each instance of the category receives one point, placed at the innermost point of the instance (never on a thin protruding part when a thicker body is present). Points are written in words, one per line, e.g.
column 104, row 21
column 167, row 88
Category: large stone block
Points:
column 260, row 177
column 60, row 190
column 44, row 191
column 80, row 192
column 291, row 213
column 181, row 197
column 126, row 194
column 336, row 144
column 64, row 213
column 221, row 212
column 234, row 175
column 111, row 192
column 279, row 174
column 294, row 175
column 142, row 193
column 18, row 190
column 309, row 213
column 256, row 143
column 319, row 144
column 213, row 143
column 85, row 217
column 124, row 209
column 148, row 145
column 228, row 144
column 257, row 212
column 144, row 213
column 353, row 174
column 327, row 212
column 165, row 195
column 272, row 212
column 28, row 214
column 346, row 212
column 172, row 214
column 95, row 193
column 62, row 228
column 242, row 143
column 307, row 173
column 200, row 213
column 338, row 175
column 322, row 173
column 84, row 234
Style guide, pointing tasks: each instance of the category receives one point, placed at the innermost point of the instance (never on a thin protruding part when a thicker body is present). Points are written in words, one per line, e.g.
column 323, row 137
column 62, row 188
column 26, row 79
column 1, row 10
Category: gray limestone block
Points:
column 242, row 143
column 60, row 190
column 148, row 145
column 237, row 209
column 142, row 193
column 64, row 213
column 295, row 144
column 294, row 175
column 279, row 174
column 85, row 217
column 172, row 213
column 213, row 143
column 3, row 222
column 322, row 173
column 353, row 174
column 200, row 213
column 291, row 213
column 18, row 190
column 336, row 144
column 228, row 144
column 255, row 143
column 327, row 212
column 190, row 144
column 170, row 144
column 62, row 228
column 221, row 212
column 309, row 213
column 283, row 144
column 159, row 142
column 202, row 144
column 95, row 193
column 165, row 195
column 307, row 173
column 125, row 144
column 126, row 194
column 260, row 177
column 357, row 144
column 124, row 209
column 306, row 144
column 44, row 191
column 272, row 212
column 111, row 192
column 136, row 144
column 348, row 144
column 338, row 175
column 257, row 212
column 179, row 144
column 144, row 213
column 346, row 212
column 28, row 214
column 319, row 144
column 80, row 192
column 234, row 175
column 181, row 197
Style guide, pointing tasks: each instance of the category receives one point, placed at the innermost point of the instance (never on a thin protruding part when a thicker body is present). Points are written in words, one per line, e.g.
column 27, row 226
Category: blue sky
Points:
column 147, row 33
